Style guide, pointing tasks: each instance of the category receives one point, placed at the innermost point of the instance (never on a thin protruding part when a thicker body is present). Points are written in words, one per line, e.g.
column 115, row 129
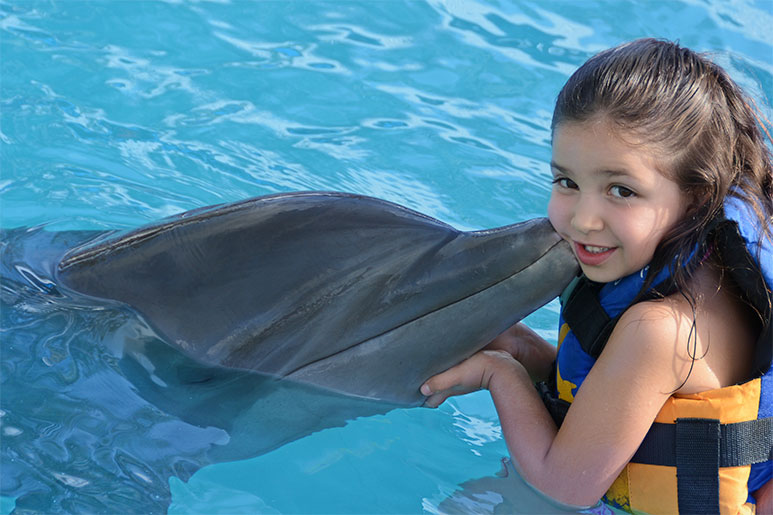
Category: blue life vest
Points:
column 591, row 310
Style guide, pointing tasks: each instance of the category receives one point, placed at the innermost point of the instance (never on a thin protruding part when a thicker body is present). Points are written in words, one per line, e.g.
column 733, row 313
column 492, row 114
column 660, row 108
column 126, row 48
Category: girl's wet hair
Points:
column 699, row 124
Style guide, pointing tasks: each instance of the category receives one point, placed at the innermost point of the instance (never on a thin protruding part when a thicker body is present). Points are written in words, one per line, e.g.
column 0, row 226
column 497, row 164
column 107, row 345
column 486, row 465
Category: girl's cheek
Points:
column 557, row 209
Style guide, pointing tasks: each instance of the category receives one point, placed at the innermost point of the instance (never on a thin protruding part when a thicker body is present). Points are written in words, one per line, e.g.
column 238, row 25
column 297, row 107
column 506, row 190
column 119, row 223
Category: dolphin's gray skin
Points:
column 345, row 292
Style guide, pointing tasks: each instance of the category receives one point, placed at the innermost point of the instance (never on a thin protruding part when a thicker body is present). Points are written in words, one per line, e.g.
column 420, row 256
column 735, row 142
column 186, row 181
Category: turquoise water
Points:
column 119, row 113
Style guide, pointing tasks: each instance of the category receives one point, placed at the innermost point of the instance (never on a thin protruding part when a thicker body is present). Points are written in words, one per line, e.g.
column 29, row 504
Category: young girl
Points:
column 660, row 394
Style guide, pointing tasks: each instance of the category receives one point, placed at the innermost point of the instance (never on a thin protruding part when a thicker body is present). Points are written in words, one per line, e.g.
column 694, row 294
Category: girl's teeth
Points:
column 595, row 250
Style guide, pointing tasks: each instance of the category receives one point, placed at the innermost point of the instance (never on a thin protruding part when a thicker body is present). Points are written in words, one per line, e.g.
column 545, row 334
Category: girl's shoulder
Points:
column 707, row 339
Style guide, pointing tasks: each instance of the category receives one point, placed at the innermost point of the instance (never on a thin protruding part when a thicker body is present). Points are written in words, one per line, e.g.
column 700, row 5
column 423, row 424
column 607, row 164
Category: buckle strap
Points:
column 697, row 464
column 742, row 443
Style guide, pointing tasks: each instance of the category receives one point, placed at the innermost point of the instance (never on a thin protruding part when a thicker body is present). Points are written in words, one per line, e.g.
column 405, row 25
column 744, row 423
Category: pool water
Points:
column 118, row 113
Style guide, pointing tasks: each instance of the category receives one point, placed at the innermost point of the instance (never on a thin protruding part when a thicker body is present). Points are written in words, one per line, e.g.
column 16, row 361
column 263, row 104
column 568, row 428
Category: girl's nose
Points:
column 586, row 216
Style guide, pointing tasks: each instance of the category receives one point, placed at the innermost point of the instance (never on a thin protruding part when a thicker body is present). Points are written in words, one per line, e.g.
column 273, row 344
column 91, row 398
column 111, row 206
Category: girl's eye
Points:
column 621, row 192
column 565, row 183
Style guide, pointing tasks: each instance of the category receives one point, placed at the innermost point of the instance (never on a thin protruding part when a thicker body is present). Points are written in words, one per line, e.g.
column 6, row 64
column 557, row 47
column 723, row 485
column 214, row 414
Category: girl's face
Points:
column 609, row 201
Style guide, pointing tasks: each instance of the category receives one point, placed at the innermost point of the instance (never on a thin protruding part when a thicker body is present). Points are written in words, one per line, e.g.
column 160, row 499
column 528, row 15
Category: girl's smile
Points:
column 609, row 200
column 592, row 255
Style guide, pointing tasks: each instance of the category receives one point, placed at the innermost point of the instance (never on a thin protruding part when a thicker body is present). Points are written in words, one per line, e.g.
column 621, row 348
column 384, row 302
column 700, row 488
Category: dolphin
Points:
column 345, row 292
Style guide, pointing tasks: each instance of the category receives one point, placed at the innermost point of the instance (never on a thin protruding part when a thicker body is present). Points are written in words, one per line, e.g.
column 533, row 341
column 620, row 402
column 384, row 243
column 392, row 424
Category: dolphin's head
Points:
column 489, row 280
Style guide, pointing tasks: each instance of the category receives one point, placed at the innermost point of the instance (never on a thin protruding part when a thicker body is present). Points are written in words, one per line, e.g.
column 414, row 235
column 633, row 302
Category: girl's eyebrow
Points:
column 610, row 172
column 558, row 167
column 617, row 173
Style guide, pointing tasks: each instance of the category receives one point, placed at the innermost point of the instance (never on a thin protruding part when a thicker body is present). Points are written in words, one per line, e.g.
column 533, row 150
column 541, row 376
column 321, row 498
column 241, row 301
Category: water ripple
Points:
column 518, row 37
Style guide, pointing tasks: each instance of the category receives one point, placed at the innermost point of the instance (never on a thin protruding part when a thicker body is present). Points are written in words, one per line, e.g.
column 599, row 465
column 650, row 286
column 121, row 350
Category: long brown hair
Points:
column 690, row 113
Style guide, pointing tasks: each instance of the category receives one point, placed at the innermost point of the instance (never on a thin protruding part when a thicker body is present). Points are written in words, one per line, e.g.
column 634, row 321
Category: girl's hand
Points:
column 474, row 373
column 528, row 348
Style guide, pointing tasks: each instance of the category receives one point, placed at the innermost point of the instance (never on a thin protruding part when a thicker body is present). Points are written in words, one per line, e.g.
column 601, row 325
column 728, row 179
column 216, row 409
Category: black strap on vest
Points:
column 697, row 465
column 589, row 322
column 587, row 319
column 742, row 443
column 556, row 407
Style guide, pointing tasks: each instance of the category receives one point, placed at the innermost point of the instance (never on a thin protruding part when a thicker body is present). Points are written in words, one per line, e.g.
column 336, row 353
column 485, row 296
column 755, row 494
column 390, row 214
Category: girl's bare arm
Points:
column 619, row 399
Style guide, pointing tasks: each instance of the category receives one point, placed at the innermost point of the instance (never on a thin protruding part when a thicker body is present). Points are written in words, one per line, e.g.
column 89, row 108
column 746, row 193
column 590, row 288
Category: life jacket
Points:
column 705, row 452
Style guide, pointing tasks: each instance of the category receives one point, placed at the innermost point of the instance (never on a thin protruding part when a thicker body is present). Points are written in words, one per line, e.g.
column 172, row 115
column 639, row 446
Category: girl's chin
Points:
column 599, row 275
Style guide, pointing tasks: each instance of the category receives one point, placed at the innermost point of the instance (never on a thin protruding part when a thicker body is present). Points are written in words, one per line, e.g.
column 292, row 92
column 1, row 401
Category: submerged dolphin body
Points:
column 345, row 292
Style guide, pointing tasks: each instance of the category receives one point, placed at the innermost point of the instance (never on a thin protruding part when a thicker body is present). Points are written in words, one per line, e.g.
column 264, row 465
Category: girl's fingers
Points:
column 426, row 389
column 434, row 391
column 447, row 384
column 470, row 375
column 433, row 401
column 442, row 381
column 439, row 397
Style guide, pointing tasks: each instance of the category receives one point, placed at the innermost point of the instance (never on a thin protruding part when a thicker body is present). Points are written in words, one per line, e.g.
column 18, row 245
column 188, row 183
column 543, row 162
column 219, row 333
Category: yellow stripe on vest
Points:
column 562, row 334
column 564, row 387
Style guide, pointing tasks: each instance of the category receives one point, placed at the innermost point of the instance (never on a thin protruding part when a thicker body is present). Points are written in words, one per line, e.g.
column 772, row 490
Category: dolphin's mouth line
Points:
column 339, row 352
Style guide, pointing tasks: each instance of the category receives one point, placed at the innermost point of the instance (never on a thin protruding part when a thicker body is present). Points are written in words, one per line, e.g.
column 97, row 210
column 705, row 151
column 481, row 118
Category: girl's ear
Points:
column 699, row 206
column 699, row 197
